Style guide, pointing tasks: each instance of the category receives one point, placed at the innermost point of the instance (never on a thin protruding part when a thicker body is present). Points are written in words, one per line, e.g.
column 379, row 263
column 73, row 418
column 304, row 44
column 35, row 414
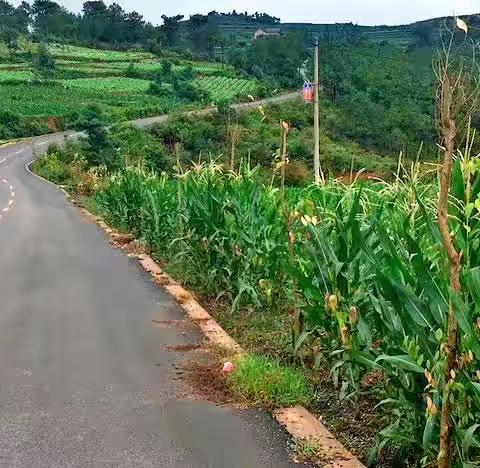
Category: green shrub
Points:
column 44, row 63
column 187, row 73
column 13, row 125
column 196, row 135
column 187, row 91
column 157, row 88
column 5, row 133
column 300, row 146
column 131, row 71
column 51, row 167
column 99, row 148
column 297, row 173
column 139, row 147
column 39, row 126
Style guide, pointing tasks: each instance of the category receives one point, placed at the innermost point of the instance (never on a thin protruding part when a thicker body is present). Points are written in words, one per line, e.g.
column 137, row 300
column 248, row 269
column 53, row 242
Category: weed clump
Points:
column 264, row 382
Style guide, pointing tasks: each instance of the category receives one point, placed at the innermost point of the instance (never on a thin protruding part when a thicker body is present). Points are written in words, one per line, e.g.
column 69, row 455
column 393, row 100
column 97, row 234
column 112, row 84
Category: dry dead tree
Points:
column 457, row 100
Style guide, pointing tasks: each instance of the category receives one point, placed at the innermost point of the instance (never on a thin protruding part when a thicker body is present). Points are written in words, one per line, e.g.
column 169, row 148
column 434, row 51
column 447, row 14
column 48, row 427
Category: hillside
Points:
column 243, row 28
column 422, row 32
column 377, row 82
column 375, row 95
column 125, row 85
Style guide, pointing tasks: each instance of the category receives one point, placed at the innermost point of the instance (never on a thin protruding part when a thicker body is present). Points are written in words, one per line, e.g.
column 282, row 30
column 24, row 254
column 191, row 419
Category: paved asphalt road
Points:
column 85, row 379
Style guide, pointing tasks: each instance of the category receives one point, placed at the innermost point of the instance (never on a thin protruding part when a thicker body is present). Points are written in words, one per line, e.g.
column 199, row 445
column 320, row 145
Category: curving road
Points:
column 85, row 378
column 279, row 99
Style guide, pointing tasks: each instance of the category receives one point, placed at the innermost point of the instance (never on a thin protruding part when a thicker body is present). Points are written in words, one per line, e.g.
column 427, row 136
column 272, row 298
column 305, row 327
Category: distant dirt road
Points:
column 149, row 121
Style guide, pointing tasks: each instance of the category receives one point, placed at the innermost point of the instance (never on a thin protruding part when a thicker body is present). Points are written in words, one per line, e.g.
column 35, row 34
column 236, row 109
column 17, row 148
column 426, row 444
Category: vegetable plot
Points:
column 221, row 87
column 109, row 85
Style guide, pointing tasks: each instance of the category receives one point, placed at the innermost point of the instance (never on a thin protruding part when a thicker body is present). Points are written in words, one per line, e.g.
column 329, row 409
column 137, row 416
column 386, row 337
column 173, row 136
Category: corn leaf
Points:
column 402, row 362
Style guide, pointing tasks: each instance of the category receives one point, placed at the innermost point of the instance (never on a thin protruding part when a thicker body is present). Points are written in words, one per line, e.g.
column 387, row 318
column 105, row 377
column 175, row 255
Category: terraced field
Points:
column 220, row 87
column 96, row 55
column 118, row 81
column 20, row 75
column 109, row 85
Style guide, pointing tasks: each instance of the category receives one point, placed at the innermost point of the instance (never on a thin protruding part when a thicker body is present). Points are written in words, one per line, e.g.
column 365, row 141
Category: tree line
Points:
column 112, row 26
column 47, row 20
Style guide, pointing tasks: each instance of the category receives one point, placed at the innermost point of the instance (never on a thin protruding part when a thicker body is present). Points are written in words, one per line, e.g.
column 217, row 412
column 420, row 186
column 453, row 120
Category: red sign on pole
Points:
column 308, row 93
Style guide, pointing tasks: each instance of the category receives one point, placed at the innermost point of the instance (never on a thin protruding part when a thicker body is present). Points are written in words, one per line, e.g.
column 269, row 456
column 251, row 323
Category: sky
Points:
column 366, row 12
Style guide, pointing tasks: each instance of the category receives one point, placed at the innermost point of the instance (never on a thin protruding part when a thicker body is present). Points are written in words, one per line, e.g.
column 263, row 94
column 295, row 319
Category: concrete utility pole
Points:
column 316, row 116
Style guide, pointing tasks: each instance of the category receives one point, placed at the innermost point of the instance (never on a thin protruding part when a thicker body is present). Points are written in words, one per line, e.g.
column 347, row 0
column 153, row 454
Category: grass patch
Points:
column 258, row 331
column 90, row 204
column 263, row 382
column 308, row 451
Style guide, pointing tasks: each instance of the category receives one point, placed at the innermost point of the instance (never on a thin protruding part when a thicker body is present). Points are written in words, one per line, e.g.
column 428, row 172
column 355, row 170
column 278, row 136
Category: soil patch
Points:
column 183, row 347
column 206, row 381
column 171, row 323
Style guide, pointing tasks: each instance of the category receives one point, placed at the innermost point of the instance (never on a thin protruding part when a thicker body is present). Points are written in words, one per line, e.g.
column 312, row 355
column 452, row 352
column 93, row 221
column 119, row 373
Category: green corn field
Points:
column 363, row 265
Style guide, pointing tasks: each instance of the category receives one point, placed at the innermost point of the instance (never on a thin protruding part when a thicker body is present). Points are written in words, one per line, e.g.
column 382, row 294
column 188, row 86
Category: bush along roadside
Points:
column 354, row 274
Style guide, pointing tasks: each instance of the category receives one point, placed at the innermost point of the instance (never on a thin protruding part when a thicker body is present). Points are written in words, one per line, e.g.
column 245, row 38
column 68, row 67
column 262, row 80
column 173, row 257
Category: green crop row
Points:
column 120, row 99
column 69, row 52
column 221, row 87
column 109, row 85
column 16, row 76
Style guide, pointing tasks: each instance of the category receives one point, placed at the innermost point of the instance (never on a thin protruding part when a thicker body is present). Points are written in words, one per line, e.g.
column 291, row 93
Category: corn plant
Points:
column 333, row 279
column 236, row 230
column 122, row 200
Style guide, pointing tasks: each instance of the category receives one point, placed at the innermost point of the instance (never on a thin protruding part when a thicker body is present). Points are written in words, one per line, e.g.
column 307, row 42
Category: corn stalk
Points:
column 234, row 133
column 283, row 155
